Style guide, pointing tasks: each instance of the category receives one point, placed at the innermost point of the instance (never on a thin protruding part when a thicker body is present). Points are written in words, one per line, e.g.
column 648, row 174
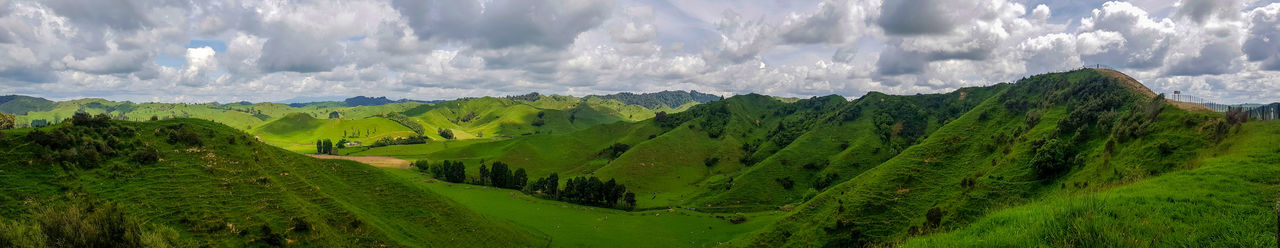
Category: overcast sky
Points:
column 272, row 50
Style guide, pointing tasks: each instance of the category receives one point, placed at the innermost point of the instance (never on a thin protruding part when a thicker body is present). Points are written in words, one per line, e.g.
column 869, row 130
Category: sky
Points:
column 1227, row 51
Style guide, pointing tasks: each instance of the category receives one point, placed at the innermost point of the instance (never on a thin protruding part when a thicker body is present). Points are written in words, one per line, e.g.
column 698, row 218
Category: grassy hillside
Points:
column 1045, row 137
column 693, row 158
column 570, row 225
column 189, row 183
column 299, row 132
column 21, row 105
column 1224, row 200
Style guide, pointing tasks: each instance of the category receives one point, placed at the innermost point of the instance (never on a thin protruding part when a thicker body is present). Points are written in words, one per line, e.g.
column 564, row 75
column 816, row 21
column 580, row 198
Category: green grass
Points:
column 991, row 147
column 299, row 132
column 1226, row 201
column 569, row 225
column 221, row 193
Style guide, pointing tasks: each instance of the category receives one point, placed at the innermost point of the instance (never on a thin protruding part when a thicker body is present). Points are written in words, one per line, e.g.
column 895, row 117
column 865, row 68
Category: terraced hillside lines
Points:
column 233, row 191
column 1046, row 136
column 1224, row 202
column 299, row 132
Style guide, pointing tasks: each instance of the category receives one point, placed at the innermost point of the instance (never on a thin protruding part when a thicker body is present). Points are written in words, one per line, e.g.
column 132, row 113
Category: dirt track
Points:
column 376, row 161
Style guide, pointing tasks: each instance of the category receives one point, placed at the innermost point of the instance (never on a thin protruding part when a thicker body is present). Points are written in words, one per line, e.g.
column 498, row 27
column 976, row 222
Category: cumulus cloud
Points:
column 441, row 49
column 1263, row 42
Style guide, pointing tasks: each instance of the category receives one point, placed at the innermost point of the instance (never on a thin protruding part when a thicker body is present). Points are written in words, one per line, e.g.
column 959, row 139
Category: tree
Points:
column 319, row 147
column 520, row 179
column 1051, row 158
column 445, row 133
column 484, row 175
column 342, row 143
column 328, row 147
column 500, row 175
column 630, row 199
column 155, row 118
column 6, row 121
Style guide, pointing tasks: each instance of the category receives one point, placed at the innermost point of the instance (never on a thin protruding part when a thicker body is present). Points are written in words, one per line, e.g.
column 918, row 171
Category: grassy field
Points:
column 569, row 225
column 233, row 191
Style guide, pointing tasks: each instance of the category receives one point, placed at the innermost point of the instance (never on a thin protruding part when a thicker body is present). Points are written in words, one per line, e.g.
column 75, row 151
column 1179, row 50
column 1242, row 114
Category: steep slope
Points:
column 694, row 158
column 1225, row 201
column 1045, row 136
column 211, row 185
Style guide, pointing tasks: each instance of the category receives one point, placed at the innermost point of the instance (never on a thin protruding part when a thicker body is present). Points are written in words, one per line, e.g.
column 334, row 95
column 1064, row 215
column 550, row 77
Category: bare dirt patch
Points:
column 376, row 161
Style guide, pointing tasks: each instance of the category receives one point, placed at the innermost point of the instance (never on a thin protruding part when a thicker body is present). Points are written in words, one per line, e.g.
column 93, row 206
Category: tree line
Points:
column 590, row 191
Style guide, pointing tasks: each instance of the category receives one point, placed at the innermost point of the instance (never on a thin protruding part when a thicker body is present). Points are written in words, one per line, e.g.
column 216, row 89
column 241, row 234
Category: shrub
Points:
column 712, row 161
column 445, row 133
column 786, row 182
column 146, row 155
column 1051, row 158
column 933, row 218
column 738, row 218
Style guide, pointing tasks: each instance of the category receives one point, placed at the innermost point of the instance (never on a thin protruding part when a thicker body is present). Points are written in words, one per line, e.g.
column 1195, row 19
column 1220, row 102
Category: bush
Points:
column 786, row 182
column 1051, row 158
column 146, row 155
column 712, row 161
column 738, row 218
column 445, row 133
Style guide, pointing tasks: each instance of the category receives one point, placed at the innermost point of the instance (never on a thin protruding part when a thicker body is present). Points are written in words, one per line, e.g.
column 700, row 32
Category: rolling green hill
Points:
column 299, row 132
column 191, row 183
column 693, row 157
column 1044, row 139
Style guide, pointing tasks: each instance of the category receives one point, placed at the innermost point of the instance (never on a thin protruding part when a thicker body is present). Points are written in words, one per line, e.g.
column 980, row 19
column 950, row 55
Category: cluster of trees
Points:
column 324, row 146
column 591, row 191
column 445, row 133
column 91, row 140
column 501, row 175
column 468, row 117
column 450, row 171
column 582, row 190
column 388, row 141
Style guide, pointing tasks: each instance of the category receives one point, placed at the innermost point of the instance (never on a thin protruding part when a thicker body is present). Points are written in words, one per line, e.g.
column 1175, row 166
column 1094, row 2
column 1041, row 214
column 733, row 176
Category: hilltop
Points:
column 1047, row 138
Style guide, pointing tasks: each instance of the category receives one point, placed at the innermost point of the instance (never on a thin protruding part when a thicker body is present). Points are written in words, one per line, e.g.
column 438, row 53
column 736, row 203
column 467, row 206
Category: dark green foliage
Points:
column 933, row 218
column 445, row 133
column 823, row 181
column 327, row 147
column 449, row 171
column 712, row 161
column 468, row 117
column 548, row 186
column 334, row 115
column 1052, row 157
column 786, row 182
column 500, row 175
column 630, row 199
column 146, row 156
column 616, row 150
column 181, row 134
column 519, row 179
column 592, row 191
column 82, row 223
column 342, row 143
column 388, row 141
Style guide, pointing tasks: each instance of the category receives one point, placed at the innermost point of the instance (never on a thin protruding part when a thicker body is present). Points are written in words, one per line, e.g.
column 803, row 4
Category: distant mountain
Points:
column 669, row 98
column 16, row 104
column 382, row 100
